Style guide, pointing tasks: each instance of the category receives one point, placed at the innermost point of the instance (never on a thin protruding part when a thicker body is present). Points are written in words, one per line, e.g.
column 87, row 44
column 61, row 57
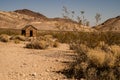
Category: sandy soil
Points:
column 19, row 63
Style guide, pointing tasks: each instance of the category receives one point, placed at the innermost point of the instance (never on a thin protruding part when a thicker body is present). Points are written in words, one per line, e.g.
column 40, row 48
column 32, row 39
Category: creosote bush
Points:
column 95, row 64
column 55, row 44
column 97, row 55
column 91, row 39
column 43, row 42
column 37, row 44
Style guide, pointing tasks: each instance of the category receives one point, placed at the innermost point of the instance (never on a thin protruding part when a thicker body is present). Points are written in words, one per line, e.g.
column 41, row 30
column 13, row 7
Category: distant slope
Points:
column 13, row 19
column 31, row 13
column 112, row 24
column 20, row 18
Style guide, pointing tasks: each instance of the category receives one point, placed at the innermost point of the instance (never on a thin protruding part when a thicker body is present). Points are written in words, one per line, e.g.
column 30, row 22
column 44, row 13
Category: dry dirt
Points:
column 19, row 63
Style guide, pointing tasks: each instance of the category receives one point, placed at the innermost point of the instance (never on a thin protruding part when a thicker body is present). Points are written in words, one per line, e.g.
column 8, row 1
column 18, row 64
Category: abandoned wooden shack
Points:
column 29, row 31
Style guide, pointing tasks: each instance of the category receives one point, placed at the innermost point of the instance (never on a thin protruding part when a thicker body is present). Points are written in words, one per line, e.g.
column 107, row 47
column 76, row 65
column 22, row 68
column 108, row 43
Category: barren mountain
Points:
column 112, row 24
column 32, row 14
column 20, row 18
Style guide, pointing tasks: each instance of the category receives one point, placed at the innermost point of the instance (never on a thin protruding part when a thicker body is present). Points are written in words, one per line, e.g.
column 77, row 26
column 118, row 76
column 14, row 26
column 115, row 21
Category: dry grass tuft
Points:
column 97, row 57
column 110, row 60
column 56, row 44
column 116, row 50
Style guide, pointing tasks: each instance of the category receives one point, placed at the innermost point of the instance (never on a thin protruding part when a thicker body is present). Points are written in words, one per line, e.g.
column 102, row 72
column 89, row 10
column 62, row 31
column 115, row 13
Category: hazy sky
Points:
column 53, row 8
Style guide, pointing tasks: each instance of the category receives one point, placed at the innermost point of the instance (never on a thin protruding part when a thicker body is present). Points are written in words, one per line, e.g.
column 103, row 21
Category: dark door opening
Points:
column 31, row 33
column 23, row 32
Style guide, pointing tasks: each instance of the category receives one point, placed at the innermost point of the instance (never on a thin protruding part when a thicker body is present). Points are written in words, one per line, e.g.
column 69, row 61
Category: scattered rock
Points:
column 24, row 64
column 22, row 74
column 57, row 60
column 33, row 74
column 47, row 70
column 34, row 65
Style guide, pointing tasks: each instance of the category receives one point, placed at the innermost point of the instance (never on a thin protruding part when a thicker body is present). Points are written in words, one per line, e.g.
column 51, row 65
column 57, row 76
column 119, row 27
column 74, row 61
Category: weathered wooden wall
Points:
column 31, row 29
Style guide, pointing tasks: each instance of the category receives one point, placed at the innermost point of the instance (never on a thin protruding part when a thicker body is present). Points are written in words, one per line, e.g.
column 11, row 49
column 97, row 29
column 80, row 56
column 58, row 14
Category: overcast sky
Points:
column 53, row 8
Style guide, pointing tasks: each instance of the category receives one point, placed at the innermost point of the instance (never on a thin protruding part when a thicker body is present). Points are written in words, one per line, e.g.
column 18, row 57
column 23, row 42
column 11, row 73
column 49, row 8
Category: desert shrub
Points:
column 98, row 53
column 37, row 44
column 56, row 44
column 97, row 58
column 116, row 50
column 111, row 38
column 43, row 42
column 110, row 60
column 95, row 63
column 51, row 41
column 4, row 38
column 16, row 41
column 91, row 39
column 63, row 37
column 18, row 37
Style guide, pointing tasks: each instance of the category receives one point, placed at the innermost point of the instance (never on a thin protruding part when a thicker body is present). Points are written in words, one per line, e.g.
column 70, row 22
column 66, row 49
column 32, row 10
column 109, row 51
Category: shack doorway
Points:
column 31, row 33
column 23, row 32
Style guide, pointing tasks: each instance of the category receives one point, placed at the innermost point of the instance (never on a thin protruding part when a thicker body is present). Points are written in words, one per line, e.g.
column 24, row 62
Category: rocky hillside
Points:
column 19, row 18
column 112, row 24
column 13, row 19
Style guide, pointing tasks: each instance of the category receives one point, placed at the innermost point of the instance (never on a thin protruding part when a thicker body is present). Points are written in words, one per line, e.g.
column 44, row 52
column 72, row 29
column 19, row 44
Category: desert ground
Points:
column 19, row 63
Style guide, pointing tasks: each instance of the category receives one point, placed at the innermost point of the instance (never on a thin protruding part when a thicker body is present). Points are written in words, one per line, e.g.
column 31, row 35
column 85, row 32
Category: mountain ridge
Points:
column 31, row 13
